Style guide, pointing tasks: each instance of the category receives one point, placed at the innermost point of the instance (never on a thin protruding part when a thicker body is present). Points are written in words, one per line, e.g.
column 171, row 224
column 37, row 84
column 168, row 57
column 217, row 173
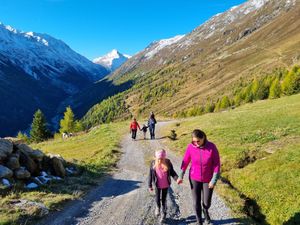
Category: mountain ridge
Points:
column 208, row 63
column 50, row 72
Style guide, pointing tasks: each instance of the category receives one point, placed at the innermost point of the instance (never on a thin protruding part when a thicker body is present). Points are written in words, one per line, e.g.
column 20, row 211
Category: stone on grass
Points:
column 34, row 154
column 33, row 208
column 22, row 173
column 13, row 163
column 29, row 163
column 32, row 186
column 6, row 148
column 5, row 182
column 58, row 167
column 5, row 172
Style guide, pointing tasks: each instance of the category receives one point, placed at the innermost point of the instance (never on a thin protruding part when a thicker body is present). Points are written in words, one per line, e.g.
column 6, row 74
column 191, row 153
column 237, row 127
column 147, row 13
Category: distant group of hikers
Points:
column 203, row 158
column 134, row 126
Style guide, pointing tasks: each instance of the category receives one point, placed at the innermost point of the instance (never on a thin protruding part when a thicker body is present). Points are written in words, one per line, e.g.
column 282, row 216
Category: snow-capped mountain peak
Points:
column 155, row 47
column 114, row 53
column 112, row 60
column 219, row 23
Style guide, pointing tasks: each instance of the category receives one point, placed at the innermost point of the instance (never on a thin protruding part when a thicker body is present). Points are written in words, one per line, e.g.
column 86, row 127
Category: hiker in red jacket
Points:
column 133, row 128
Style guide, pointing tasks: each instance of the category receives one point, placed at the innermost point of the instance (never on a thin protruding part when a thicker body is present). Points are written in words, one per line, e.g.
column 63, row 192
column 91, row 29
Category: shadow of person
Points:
column 149, row 139
column 188, row 220
column 293, row 220
column 160, row 138
column 192, row 220
column 227, row 221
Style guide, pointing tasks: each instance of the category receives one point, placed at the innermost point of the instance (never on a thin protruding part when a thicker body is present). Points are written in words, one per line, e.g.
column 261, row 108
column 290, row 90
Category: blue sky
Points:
column 94, row 27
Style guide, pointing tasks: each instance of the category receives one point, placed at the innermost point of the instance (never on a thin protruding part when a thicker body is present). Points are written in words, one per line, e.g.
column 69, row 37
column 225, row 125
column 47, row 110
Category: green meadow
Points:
column 259, row 145
column 95, row 153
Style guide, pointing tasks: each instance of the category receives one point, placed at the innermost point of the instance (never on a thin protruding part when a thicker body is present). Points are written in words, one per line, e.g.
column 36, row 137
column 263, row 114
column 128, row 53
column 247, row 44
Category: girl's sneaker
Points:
column 163, row 217
column 157, row 212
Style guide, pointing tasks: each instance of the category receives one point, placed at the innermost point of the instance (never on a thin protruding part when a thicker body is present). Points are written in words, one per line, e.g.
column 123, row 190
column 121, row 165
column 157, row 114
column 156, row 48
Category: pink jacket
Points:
column 205, row 162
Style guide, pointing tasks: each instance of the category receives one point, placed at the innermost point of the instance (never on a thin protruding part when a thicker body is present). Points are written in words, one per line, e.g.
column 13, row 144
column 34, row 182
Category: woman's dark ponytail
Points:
column 199, row 134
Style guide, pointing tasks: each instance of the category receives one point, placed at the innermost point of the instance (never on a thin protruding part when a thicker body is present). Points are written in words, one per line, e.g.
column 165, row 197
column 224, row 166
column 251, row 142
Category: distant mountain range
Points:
column 168, row 76
column 38, row 71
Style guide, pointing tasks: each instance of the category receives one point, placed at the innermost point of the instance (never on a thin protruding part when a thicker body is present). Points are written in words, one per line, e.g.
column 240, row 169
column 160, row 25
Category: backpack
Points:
column 152, row 121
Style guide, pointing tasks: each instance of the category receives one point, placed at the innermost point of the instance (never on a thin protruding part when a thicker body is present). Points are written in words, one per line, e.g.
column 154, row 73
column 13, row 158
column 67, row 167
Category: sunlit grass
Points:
column 259, row 146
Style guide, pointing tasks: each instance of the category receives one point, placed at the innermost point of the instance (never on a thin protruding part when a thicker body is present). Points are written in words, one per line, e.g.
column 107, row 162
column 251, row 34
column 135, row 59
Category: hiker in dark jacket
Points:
column 151, row 125
column 160, row 173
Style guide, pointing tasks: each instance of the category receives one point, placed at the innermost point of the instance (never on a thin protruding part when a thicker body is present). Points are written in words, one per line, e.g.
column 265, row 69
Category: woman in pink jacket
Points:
column 204, row 172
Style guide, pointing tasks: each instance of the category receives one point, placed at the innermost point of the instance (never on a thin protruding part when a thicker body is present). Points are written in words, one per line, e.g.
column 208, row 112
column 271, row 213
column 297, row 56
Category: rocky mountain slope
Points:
column 246, row 41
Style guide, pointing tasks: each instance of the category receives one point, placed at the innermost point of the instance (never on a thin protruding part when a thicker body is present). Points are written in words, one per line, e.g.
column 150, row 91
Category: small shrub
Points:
column 225, row 103
column 275, row 90
column 23, row 137
column 291, row 82
column 173, row 135
column 209, row 108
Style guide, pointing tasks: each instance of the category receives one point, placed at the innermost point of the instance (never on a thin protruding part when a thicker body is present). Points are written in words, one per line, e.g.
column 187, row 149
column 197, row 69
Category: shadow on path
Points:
column 117, row 188
column 192, row 220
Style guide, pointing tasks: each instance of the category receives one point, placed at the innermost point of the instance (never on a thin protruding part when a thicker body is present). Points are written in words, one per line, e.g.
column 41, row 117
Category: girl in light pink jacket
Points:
column 160, row 173
column 204, row 172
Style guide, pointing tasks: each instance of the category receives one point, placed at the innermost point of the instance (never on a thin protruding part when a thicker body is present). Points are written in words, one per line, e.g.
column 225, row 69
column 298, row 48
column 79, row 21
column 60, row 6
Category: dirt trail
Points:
column 123, row 199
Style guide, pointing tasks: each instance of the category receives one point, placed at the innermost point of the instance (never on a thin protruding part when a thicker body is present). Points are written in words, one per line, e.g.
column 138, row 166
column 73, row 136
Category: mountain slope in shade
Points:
column 112, row 60
column 38, row 71
column 205, row 64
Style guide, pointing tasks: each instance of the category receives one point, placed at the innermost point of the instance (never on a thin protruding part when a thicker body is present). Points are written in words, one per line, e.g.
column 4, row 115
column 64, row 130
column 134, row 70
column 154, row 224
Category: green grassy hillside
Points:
column 260, row 149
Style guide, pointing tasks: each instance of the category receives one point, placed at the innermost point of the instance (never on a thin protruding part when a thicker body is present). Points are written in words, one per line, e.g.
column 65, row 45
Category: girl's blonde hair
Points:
column 161, row 163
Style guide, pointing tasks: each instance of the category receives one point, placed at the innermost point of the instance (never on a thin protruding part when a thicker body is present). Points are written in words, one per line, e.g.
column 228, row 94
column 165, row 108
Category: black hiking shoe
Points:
column 199, row 223
column 207, row 219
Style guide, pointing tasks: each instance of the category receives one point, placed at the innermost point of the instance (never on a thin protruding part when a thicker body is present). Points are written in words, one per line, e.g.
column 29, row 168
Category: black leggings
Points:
column 161, row 197
column 152, row 132
column 133, row 132
column 201, row 194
